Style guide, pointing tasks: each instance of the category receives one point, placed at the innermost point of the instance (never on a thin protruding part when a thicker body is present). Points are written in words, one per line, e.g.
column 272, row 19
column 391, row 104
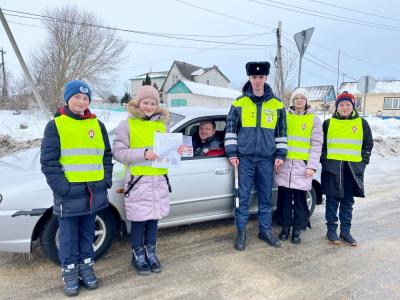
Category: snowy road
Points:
column 200, row 262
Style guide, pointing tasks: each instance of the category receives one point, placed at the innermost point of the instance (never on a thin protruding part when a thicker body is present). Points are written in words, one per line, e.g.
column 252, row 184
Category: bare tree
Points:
column 75, row 49
column 289, row 60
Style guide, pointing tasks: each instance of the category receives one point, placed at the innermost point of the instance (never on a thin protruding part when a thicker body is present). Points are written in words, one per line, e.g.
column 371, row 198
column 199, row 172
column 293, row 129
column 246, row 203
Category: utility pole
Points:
column 338, row 72
column 23, row 66
column 4, row 92
column 279, row 66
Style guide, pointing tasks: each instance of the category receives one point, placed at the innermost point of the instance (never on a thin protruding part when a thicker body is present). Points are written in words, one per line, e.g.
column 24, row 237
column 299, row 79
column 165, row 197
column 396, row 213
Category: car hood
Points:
column 20, row 166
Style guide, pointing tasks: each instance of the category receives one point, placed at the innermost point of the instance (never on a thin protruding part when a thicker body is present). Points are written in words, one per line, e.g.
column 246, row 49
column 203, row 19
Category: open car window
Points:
column 191, row 129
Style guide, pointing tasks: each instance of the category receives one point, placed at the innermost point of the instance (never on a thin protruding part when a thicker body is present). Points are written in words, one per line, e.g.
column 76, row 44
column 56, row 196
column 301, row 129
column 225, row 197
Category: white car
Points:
column 202, row 190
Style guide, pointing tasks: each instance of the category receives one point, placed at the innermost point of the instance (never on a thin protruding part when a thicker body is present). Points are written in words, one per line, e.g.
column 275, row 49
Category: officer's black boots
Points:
column 284, row 235
column 269, row 239
column 296, row 233
column 240, row 242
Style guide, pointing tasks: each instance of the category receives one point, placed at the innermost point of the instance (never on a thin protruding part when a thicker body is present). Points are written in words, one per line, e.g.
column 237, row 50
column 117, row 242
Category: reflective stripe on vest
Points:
column 141, row 136
column 299, row 131
column 82, row 149
column 269, row 114
column 344, row 139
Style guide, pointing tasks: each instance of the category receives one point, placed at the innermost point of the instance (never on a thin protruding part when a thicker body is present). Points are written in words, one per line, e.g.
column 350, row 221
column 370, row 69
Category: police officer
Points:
column 256, row 142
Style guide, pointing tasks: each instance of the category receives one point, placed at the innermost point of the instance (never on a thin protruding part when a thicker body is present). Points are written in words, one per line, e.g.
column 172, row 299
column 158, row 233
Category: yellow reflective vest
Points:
column 299, row 131
column 345, row 139
column 82, row 149
column 269, row 114
column 141, row 136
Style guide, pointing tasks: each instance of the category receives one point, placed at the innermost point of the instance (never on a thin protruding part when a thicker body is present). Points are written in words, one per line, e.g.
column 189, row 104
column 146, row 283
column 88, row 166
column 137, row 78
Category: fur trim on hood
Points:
column 160, row 114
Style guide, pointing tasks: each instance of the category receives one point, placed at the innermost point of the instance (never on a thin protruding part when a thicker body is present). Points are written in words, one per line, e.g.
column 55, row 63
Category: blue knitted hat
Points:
column 75, row 87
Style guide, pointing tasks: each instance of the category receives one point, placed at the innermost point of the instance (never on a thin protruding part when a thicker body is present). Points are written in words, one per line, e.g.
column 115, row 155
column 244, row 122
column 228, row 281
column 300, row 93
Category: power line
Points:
column 164, row 35
column 225, row 15
column 355, row 10
column 327, row 15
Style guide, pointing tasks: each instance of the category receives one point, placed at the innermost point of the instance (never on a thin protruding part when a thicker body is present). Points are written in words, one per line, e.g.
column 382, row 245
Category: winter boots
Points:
column 240, row 242
column 285, row 232
column 270, row 239
column 70, row 276
column 347, row 238
column 152, row 260
column 87, row 275
column 139, row 261
column 296, row 233
column 332, row 236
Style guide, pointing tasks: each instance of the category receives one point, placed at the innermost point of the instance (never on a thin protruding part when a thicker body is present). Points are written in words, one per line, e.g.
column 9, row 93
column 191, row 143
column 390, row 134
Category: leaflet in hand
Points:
column 166, row 147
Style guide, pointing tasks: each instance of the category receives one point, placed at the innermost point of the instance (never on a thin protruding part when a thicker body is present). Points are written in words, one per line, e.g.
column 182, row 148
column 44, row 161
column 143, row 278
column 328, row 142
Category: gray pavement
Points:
column 200, row 262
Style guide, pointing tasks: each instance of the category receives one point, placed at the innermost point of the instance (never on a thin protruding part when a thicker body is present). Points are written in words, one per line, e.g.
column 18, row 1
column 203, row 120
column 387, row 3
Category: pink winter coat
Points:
column 149, row 198
column 292, row 173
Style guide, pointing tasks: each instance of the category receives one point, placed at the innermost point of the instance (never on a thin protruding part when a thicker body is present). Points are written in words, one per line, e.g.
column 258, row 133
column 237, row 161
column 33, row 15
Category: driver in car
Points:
column 207, row 143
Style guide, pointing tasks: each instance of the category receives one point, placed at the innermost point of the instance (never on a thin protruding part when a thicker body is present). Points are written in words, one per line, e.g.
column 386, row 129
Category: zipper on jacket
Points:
column 340, row 176
column 91, row 198
column 61, row 212
column 354, row 176
column 290, row 174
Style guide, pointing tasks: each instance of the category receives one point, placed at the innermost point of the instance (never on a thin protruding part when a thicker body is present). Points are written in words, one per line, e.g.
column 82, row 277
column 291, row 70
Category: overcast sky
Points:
column 366, row 50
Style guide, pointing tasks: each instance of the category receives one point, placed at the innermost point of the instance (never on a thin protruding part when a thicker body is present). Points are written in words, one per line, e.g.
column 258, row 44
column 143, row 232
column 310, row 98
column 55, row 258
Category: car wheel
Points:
column 105, row 230
column 311, row 200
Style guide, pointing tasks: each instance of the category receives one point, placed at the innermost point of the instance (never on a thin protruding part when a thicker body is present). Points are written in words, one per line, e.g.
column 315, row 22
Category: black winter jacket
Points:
column 73, row 199
column 332, row 183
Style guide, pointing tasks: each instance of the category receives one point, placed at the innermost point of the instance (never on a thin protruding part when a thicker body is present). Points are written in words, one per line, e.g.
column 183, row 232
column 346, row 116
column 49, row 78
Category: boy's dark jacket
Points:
column 332, row 179
column 73, row 199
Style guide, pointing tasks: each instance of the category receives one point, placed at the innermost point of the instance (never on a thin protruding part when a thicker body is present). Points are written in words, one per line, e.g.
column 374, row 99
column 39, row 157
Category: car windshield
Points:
column 175, row 118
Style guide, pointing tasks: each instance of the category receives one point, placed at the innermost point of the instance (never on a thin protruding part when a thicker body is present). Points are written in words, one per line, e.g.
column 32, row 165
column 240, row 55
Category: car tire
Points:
column 105, row 231
column 311, row 200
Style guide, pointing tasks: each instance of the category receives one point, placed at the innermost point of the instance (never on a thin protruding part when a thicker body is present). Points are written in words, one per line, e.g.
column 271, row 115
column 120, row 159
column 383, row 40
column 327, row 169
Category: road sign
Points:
column 366, row 84
column 302, row 39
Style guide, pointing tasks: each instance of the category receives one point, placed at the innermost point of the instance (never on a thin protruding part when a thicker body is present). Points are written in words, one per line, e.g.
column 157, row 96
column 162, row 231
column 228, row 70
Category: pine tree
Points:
column 147, row 81
column 125, row 98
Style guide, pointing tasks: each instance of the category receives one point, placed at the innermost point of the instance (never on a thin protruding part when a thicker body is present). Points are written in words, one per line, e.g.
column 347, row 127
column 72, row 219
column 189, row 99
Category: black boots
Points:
column 269, row 239
column 70, row 276
column 296, row 239
column 332, row 236
column 139, row 261
column 152, row 260
column 285, row 232
column 87, row 275
column 240, row 242
column 347, row 238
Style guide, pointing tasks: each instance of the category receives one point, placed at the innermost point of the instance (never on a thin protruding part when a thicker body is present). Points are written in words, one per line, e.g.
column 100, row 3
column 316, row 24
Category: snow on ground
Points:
column 13, row 135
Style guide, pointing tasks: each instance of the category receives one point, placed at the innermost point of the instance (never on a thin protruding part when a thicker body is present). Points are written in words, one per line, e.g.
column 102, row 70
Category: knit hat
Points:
column 345, row 96
column 74, row 87
column 297, row 92
column 147, row 91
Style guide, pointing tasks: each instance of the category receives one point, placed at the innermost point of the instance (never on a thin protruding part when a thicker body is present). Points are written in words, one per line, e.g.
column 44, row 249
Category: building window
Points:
column 391, row 103
column 178, row 102
column 175, row 78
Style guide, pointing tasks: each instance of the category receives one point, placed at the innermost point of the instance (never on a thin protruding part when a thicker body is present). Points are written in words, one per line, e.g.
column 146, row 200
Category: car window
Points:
column 192, row 129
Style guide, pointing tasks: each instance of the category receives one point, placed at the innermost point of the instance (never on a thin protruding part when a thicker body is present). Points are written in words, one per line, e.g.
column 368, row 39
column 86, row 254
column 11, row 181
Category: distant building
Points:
column 187, row 72
column 321, row 97
column 157, row 78
column 188, row 93
column 383, row 100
